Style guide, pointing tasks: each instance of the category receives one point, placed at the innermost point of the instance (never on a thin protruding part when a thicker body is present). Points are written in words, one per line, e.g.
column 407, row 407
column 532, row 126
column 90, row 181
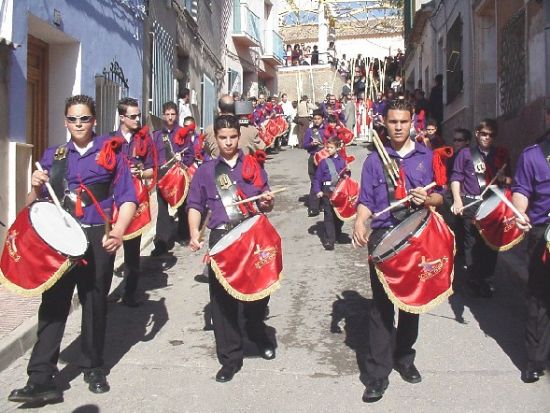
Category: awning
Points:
column 9, row 43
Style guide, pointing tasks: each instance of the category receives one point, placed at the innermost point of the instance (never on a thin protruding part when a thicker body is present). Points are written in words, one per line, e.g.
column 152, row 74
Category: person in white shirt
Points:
column 184, row 108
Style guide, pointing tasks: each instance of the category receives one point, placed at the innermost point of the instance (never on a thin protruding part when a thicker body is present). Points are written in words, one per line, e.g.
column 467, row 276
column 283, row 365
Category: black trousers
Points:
column 537, row 332
column 333, row 224
column 314, row 202
column 131, row 259
column 478, row 257
column 225, row 318
column 93, row 282
column 165, row 223
column 382, row 354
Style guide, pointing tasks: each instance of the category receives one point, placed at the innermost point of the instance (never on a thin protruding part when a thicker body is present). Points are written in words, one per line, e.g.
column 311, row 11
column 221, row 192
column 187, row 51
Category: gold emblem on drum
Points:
column 141, row 209
column 12, row 248
column 479, row 167
column 431, row 268
column 265, row 256
column 509, row 223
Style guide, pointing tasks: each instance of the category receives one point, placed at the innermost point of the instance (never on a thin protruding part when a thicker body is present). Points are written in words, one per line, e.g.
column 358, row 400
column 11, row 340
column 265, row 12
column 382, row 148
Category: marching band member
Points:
column 211, row 184
column 473, row 168
column 313, row 143
column 69, row 167
column 171, row 142
column 415, row 162
column 325, row 180
column 140, row 152
column 531, row 196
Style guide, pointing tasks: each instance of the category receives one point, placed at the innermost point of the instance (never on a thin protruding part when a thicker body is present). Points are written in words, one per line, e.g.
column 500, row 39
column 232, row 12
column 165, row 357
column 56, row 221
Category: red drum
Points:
column 272, row 130
column 414, row 262
column 248, row 260
column 142, row 218
column 41, row 246
column 497, row 223
column 320, row 155
column 282, row 124
column 344, row 198
column 173, row 186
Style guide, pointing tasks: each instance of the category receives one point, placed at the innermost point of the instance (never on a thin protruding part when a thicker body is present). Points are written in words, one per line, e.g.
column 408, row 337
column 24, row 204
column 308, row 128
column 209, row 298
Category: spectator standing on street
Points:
column 436, row 100
column 315, row 55
column 184, row 107
column 303, row 119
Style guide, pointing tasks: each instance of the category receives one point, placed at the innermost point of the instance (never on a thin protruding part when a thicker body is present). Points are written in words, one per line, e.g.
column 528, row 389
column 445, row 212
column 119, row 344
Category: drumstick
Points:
column 401, row 201
column 486, row 189
column 254, row 198
column 516, row 212
column 53, row 196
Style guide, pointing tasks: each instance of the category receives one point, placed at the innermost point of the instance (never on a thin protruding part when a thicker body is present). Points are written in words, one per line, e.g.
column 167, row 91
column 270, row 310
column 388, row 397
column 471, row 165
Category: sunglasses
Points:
column 82, row 119
column 489, row 134
column 134, row 116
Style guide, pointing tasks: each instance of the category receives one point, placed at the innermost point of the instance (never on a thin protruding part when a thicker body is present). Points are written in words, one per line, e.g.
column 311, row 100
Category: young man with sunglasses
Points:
column 67, row 167
column 472, row 170
column 141, row 157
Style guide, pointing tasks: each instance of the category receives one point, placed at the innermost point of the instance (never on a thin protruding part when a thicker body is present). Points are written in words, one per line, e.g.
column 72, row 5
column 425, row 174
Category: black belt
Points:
column 101, row 191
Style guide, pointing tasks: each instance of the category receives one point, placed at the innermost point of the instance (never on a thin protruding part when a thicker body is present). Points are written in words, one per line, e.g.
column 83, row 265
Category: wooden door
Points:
column 37, row 96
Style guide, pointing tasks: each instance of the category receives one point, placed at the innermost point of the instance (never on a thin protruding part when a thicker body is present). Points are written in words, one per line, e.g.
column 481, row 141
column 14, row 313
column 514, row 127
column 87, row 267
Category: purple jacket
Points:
column 322, row 174
column 148, row 161
column 84, row 169
column 308, row 139
column 203, row 193
column 188, row 155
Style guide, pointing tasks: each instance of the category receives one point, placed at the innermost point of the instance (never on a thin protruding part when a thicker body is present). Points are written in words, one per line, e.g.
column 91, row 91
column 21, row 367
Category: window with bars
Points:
column 162, row 74
column 512, row 65
column 111, row 86
column 233, row 81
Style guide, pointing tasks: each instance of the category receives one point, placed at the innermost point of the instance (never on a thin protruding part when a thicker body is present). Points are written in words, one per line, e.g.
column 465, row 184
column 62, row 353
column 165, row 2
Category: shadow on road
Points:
column 125, row 326
column 351, row 309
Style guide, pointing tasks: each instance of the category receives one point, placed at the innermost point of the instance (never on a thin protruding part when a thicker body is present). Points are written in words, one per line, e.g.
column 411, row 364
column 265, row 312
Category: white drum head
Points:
column 233, row 235
column 61, row 232
column 397, row 237
column 487, row 206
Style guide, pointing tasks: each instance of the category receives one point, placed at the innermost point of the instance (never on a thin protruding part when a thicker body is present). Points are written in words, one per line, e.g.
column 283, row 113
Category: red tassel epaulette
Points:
column 439, row 165
column 107, row 155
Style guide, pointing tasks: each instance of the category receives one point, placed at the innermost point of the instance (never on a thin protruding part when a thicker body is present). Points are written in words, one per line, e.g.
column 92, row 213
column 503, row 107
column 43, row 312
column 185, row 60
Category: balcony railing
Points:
column 273, row 48
column 245, row 23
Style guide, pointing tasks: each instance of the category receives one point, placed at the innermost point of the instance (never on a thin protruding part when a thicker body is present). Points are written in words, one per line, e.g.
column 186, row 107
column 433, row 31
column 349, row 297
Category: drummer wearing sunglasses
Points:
column 415, row 162
column 214, row 186
column 79, row 158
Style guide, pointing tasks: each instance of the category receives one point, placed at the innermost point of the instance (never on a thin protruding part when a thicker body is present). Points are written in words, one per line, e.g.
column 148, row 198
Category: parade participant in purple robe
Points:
column 313, row 143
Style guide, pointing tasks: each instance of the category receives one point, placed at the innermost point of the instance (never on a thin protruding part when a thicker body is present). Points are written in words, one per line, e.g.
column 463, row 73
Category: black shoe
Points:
column 267, row 351
column 36, row 393
column 375, row 390
column 312, row 213
column 328, row 246
column 97, row 381
column 531, row 375
column 130, row 301
column 226, row 373
column 409, row 373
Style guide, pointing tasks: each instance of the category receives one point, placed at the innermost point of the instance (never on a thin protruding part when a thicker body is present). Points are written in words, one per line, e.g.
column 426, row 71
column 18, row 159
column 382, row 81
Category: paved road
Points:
column 162, row 359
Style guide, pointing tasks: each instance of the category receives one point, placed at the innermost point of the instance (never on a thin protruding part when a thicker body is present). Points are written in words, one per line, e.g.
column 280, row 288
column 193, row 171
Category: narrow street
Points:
column 161, row 358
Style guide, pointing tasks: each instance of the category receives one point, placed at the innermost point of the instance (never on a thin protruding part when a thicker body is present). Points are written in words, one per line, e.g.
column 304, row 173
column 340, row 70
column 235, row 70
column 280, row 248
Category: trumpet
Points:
column 389, row 163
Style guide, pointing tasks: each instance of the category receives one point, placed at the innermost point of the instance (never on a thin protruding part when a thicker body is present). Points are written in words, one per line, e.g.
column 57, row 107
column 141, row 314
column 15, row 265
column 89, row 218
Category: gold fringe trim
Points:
column 173, row 209
column 415, row 309
column 502, row 248
column 237, row 294
column 137, row 233
column 341, row 218
column 65, row 267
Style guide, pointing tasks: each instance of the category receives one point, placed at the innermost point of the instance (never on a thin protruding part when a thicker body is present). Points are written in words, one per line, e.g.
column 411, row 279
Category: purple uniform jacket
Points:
column 84, row 169
column 188, row 155
column 379, row 108
column 463, row 171
column 532, row 179
column 308, row 140
column 148, row 161
column 374, row 190
column 322, row 174
column 203, row 193
column 258, row 115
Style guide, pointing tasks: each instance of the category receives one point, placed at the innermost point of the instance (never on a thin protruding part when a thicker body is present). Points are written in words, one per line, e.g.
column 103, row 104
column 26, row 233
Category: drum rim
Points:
column 47, row 243
column 401, row 245
column 484, row 202
column 547, row 233
column 256, row 217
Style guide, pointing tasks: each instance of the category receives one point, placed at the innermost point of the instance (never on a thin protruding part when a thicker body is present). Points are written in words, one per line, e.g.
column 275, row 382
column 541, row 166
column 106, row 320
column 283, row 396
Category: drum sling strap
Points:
column 401, row 212
column 58, row 180
column 227, row 191
column 168, row 154
column 481, row 165
column 334, row 175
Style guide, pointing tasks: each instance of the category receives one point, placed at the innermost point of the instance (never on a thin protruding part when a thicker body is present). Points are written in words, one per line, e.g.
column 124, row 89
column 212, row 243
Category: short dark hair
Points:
column 226, row 122
column 189, row 118
column 318, row 112
column 80, row 100
column 399, row 104
column 169, row 105
column 432, row 122
column 332, row 119
column 334, row 140
column 124, row 103
column 466, row 134
column 488, row 124
column 283, row 95
column 184, row 93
